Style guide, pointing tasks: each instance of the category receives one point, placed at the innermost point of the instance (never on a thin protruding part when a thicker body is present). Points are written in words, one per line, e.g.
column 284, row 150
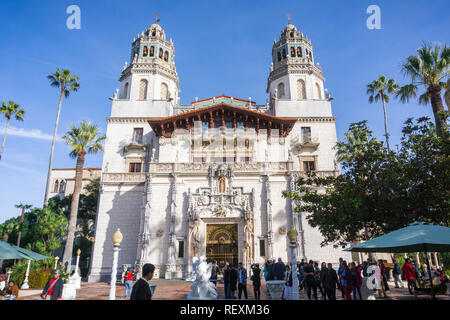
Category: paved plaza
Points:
column 178, row 290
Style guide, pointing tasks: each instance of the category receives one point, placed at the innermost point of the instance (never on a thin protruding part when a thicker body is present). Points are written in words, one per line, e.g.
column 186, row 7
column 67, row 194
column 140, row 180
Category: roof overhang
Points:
column 223, row 113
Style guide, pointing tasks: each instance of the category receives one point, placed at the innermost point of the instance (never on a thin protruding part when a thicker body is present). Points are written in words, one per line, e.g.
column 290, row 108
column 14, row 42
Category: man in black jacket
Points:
column 230, row 280
column 54, row 287
column 141, row 289
column 242, row 281
column 279, row 270
column 330, row 280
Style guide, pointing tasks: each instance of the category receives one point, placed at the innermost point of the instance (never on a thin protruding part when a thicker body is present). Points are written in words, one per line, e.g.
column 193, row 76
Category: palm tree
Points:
column 380, row 89
column 427, row 69
column 447, row 95
column 23, row 207
column 9, row 110
column 66, row 82
column 82, row 140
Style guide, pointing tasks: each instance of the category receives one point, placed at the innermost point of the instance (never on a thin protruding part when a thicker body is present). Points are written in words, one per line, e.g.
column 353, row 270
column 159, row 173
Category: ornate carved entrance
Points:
column 222, row 243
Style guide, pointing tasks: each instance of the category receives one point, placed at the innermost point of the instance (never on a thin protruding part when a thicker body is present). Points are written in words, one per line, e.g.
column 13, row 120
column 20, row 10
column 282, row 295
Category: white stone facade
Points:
column 63, row 180
column 167, row 196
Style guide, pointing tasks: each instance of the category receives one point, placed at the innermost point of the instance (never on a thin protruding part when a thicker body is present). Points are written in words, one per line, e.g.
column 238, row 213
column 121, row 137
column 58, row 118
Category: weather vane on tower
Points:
column 288, row 15
column 157, row 17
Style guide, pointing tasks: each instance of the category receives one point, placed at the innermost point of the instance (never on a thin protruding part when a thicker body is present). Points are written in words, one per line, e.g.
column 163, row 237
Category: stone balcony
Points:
column 307, row 143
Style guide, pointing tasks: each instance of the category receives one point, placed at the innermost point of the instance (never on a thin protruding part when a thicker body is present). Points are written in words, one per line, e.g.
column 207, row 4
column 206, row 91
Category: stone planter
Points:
column 275, row 288
column 76, row 281
column 69, row 291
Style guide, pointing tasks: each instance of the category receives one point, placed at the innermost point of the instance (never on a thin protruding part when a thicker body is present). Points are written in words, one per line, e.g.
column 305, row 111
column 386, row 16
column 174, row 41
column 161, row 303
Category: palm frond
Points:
column 406, row 92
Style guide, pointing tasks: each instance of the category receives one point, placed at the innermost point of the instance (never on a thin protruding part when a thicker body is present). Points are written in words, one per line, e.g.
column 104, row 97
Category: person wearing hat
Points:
column 54, row 287
column 128, row 282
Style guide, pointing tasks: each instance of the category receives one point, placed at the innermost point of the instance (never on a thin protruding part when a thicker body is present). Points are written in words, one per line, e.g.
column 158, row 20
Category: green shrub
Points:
column 37, row 279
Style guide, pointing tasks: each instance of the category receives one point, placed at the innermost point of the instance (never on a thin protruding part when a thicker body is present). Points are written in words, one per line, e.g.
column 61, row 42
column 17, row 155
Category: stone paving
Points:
column 178, row 290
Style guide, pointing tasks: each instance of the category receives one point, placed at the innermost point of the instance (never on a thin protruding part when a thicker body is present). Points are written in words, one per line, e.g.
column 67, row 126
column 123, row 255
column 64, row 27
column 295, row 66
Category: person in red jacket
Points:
column 128, row 282
column 53, row 288
column 410, row 275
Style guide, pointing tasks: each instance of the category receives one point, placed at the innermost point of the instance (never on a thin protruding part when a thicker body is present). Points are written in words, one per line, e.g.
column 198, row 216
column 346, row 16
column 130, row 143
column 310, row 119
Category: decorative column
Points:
column 25, row 282
column 171, row 259
column 117, row 239
column 56, row 262
column 269, row 218
column 436, row 261
column 144, row 235
column 292, row 236
column 76, row 278
column 294, row 216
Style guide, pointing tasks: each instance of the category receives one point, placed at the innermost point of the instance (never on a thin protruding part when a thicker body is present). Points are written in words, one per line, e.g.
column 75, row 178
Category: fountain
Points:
column 201, row 288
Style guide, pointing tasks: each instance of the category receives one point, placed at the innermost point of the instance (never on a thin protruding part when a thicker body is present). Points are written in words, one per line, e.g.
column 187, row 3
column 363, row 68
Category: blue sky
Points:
column 220, row 47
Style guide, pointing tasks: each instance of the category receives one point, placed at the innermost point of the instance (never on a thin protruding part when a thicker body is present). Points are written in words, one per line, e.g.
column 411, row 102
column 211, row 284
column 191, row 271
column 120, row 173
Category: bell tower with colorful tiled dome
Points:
column 151, row 72
column 293, row 75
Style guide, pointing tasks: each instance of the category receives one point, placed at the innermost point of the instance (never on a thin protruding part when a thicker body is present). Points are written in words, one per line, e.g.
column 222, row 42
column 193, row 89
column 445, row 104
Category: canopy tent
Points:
column 417, row 237
column 10, row 251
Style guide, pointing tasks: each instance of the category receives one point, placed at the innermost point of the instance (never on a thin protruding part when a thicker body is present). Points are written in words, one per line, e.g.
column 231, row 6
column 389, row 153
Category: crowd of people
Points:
column 326, row 280
column 348, row 278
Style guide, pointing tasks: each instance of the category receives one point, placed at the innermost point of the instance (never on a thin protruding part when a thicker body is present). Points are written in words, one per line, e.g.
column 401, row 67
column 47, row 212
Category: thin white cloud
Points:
column 29, row 133
column 22, row 169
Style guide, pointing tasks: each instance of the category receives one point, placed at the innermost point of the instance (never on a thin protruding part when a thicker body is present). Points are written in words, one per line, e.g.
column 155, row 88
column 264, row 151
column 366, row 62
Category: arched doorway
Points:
column 222, row 244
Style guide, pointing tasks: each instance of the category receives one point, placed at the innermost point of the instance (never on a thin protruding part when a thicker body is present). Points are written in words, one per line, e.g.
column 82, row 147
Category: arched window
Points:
column 319, row 91
column 301, row 89
column 292, row 34
column 56, row 186
column 166, row 56
column 284, row 53
column 279, row 56
column 143, row 85
column 152, row 51
column 145, row 51
column 281, row 90
column 292, row 52
column 154, row 33
column 299, row 52
column 161, row 51
column 124, row 93
column 62, row 186
column 164, row 91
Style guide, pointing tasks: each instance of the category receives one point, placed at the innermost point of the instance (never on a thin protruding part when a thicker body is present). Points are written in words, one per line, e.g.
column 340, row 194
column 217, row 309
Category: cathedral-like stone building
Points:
column 207, row 178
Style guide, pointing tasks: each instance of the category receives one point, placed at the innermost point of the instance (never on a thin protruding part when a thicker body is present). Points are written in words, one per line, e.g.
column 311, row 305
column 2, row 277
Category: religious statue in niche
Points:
column 152, row 51
column 145, row 51
column 166, row 56
column 299, row 52
column 160, row 53
column 249, row 234
column 194, row 236
column 221, row 184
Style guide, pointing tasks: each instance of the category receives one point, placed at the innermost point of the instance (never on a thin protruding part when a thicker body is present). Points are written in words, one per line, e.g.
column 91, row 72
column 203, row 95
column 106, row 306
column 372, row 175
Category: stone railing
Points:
column 128, row 177
column 240, row 167
column 202, row 168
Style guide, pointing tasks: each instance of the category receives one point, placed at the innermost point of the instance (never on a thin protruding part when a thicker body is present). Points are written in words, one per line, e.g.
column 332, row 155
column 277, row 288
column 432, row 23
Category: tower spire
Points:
column 157, row 15
column 288, row 15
